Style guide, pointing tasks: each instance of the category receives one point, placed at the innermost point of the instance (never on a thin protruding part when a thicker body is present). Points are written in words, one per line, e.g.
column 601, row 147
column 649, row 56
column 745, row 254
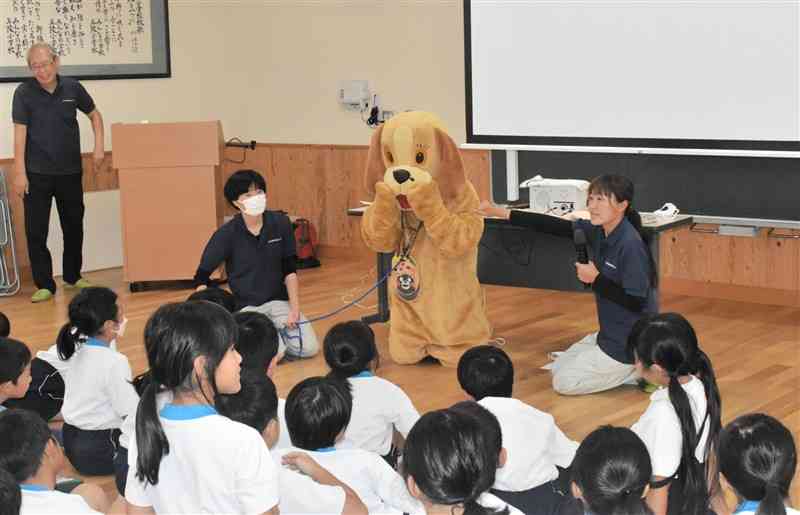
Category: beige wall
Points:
column 269, row 69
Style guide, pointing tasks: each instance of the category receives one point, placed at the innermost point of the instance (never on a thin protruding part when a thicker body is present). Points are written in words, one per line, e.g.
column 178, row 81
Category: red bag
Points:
column 306, row 241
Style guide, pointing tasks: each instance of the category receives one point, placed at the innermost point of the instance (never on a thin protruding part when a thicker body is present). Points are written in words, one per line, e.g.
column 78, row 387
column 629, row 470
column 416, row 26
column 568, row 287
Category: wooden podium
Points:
column 170, row 183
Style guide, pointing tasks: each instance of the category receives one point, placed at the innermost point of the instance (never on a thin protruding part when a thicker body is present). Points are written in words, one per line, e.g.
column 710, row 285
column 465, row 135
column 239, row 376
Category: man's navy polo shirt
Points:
column 53, row 142
column 253, row 263
column 623, row 258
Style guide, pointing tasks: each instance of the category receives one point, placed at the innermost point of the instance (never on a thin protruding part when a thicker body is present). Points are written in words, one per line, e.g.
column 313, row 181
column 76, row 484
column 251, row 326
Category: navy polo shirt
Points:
column 623, row 258
column 53, row 143
column 253, row 263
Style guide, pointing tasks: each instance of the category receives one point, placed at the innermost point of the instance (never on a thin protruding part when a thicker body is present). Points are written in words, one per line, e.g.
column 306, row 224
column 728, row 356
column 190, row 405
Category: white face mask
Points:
column 255, row 205
column 121, row 330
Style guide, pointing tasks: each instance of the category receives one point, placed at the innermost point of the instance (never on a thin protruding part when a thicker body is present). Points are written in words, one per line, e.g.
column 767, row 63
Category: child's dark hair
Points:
column 486, row 371
column 174, row 336
column 141, row 382
column 239, row 183
column 255, row 404
column 317, row 410
column 758, row 457
column 612, row 469
column 10, row 494
column 5, row 325
column 349, row 349
column 14, row 357
column 216, row 295
column 485, row 419
column 621, row 188
column 258, row 340
column 23, row 438
column 449, row 455
column 668, row 339
column 87, row 313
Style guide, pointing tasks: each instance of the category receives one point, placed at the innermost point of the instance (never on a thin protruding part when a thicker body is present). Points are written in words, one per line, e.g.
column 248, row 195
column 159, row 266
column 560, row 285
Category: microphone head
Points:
column 579, row 237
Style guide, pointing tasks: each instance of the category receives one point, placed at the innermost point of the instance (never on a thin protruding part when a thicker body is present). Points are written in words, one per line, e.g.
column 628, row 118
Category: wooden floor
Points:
column 755, row 349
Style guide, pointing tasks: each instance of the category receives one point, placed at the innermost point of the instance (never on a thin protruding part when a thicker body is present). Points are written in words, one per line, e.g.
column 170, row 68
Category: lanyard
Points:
column 407, row 242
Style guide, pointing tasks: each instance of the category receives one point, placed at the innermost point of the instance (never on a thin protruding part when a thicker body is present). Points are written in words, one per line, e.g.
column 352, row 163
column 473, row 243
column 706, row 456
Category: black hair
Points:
column 216, row 295
column 486, row 371
column 141, row 382
column 448, row 455
column 488, row 422
column 5, row 325
column 23, row 438
column 87, row 313
column 258, row 340
column 349, row 349
column 758, row 457
column 10, row 494
column 317, row 410
column 669, row 340
column 239, row 183
column 14, row 357
column 612, row 468
column 621, row 188
column 254, row 405
column 174, row 336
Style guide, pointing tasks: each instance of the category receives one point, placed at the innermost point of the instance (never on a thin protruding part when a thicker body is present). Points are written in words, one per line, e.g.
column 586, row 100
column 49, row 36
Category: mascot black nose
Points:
column 401, row 176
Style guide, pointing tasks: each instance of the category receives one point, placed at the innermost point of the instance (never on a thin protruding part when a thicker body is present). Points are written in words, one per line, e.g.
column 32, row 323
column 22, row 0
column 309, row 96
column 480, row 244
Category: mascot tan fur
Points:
column 424, row 212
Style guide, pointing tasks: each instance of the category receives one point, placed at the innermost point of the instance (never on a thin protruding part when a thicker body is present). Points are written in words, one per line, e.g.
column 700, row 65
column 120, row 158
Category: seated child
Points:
column 317, row 413
column 33, row 457
column 530, row 478
column 185, row 457
column 15, row 370
column 46, row 390
column 98, row 394
column 450, row 460
column 758, row 459
column 311, row 490
column 379, row 406
column 10, row 496
column 611, row 473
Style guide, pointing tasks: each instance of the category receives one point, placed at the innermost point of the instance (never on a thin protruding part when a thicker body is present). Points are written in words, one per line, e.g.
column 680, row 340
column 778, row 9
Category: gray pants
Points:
column 585, row 368
column 302, row 341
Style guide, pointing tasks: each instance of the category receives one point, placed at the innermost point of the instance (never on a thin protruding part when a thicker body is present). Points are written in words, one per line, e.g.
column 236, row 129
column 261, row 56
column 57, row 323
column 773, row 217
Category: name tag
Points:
column 275, row 240
column 610, row 265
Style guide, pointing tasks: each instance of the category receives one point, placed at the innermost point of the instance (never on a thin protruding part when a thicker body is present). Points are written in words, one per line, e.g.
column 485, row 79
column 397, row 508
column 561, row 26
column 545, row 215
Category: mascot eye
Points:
column 389, row 156
column 420, row 158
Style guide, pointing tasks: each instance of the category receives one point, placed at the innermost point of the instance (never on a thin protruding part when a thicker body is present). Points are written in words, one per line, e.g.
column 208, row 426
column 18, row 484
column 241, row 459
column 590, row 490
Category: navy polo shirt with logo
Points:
column 253, row 263
column 623, row 258
column 53, row 142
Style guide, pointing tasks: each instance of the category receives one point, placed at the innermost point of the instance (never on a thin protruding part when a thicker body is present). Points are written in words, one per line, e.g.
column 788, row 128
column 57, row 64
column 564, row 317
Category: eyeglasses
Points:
column 41, row 66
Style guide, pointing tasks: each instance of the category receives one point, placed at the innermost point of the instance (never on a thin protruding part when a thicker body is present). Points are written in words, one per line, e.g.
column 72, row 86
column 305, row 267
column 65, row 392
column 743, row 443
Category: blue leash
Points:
column 284, row 331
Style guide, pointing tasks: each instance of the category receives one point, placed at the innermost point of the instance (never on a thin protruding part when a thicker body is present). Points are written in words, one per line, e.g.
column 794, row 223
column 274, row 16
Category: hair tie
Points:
column 73, row 331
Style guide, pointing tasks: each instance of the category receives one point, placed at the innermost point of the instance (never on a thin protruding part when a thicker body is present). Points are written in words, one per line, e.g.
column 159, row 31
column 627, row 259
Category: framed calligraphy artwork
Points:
column 95, row 39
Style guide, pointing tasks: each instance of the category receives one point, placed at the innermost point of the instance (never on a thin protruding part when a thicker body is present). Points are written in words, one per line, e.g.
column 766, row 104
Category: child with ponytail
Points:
column 681, row 425
column 98, row 395
column 757, row 459
column 185, row 457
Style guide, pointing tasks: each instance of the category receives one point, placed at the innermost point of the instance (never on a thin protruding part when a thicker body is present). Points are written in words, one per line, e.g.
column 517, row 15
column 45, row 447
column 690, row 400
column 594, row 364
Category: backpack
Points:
column 306, row 240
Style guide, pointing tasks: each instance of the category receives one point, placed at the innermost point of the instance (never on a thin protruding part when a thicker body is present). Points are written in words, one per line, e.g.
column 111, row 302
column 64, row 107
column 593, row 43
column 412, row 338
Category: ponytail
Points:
column 635, row 219
column 88, row 311
column 471, row 507
column 705, row 372
column 631, row 503
column 773, row 501
column 67, row 341
column 151, row 441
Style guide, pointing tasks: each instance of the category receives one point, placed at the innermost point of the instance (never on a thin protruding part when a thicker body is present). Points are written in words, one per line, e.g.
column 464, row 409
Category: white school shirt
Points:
column 284, row 440
column 301, row 494
column 38, row 499
column 51, row 356
column 378, row 485
column 789, row 511
column 214, row 465
column 660, row 429
column 98, row 392
column 378, row 406
column 486, row 500
column 534, row 443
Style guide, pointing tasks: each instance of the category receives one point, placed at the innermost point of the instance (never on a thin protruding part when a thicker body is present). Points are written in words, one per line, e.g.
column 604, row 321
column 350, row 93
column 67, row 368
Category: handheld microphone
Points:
column 579, row 238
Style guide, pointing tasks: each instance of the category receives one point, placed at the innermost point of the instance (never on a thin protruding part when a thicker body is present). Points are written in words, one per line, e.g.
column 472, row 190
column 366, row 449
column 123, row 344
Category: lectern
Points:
column 170, row 183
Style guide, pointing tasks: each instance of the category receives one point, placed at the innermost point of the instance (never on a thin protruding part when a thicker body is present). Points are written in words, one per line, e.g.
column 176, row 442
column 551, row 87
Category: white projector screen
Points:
column 691, row 74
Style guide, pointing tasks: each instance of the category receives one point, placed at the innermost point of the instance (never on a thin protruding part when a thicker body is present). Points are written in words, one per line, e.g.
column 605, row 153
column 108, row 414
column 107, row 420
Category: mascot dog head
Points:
column 413, row 149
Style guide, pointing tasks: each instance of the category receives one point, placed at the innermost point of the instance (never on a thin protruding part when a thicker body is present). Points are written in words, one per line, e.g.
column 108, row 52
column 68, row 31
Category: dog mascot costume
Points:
column 424, row 212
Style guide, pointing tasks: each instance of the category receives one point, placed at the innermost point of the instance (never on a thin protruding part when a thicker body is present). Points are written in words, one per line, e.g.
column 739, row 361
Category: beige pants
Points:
column 278, row 311
column 585, row 368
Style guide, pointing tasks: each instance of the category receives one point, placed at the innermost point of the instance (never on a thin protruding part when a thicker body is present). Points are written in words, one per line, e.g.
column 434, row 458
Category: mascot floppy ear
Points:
column 451, row 176
column 375, row 166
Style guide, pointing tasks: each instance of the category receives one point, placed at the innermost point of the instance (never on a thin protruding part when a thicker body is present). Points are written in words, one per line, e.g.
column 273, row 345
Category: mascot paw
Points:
column 385, row 197
column 425, row 200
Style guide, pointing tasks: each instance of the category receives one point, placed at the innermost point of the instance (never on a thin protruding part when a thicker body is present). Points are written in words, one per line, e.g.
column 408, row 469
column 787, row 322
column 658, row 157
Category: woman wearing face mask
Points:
column 258, row 249
column 98, row 394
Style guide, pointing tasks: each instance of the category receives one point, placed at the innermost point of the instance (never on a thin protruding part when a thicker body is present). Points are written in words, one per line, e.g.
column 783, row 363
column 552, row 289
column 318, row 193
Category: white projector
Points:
column 556, row 196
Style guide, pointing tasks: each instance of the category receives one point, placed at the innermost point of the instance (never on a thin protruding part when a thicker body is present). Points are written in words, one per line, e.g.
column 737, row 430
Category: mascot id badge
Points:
column 405, row 278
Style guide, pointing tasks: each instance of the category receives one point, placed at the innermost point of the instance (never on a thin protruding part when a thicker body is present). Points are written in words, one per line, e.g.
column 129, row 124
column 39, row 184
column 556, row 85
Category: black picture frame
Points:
column 160, row 67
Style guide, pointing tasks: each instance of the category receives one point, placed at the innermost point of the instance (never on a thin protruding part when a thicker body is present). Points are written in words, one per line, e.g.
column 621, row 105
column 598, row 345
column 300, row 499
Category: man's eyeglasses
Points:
column 41, row 66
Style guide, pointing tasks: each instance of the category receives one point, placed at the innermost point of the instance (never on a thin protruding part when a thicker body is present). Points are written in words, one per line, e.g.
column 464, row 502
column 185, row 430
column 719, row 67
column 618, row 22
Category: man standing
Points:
column 47, row 164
